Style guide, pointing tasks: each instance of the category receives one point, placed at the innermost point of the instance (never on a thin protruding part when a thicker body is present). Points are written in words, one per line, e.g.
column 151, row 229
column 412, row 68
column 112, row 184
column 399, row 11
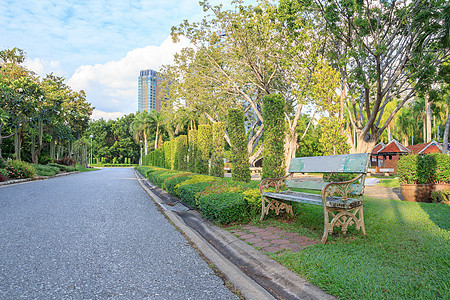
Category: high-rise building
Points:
column 148, row 90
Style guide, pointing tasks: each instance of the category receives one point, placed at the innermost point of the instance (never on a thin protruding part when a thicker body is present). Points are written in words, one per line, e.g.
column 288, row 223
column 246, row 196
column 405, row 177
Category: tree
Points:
column 383, row 51
column 140, row 128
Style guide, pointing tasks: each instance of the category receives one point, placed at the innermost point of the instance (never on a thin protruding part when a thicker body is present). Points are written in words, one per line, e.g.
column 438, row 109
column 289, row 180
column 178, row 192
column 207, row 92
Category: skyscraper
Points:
column 148, row 91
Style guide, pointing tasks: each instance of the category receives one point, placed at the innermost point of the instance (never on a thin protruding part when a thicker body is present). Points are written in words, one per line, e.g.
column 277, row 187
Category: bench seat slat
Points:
column 350, row 163
column 300, row 197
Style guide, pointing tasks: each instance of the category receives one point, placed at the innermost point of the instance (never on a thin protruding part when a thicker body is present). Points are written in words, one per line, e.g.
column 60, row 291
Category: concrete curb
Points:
column 253, row 273
column 14, row 181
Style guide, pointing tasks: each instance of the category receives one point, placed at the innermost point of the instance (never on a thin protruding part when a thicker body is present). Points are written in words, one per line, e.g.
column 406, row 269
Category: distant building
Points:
column 148, row 91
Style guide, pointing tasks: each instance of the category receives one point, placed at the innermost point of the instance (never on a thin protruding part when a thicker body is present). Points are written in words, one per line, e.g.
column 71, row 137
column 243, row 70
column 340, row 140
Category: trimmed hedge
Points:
column 224, row 208
column 274, row 135
column 46, row 170
column 204, row 146
column 181, row 152
column 240, row 170
column 188, row 192
column 218, row 149
column 171, row 182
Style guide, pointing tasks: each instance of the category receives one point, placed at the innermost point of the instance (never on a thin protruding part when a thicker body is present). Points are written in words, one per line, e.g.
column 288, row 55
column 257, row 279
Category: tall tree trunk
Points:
column 290, row 147
column 446, row 132
column 145, row 144
column 156, row 137
column 17, row 143
column 389, row 133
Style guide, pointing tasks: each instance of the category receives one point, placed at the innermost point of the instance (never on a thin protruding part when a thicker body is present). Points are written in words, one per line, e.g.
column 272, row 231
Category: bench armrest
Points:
column 344, row 187
column 277, row 183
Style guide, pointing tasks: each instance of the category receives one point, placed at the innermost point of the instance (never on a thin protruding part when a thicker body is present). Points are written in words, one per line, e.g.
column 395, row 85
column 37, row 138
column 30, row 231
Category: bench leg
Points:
column 274, row 205
column 343, row 218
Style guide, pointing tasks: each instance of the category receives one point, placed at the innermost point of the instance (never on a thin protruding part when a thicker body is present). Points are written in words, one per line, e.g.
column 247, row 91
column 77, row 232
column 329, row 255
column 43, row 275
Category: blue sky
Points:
column 98, row 45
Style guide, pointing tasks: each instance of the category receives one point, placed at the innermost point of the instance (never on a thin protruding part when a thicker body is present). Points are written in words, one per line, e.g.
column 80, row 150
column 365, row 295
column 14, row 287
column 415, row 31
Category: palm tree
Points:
column 159, row 123
column 140, row 128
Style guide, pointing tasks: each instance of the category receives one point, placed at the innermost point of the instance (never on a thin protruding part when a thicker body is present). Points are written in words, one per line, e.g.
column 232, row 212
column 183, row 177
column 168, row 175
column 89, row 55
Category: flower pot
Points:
column 416, row 192
column 440, row 187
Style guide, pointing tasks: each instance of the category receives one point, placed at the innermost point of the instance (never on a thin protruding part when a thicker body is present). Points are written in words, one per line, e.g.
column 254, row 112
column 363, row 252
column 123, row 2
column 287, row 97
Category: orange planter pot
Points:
column 416, row 192
column 440, row 187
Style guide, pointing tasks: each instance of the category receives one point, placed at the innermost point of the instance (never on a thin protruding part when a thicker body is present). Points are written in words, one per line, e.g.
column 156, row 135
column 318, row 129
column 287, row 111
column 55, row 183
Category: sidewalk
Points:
column 252, row 272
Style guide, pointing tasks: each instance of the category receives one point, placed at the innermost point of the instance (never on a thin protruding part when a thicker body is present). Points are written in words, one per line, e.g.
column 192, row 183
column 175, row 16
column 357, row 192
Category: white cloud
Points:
column 112, row 87
column 43, row 67
column 98, row 114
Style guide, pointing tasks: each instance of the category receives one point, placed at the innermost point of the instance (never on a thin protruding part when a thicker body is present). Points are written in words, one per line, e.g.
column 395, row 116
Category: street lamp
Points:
column 91, row 149
column 140, row 160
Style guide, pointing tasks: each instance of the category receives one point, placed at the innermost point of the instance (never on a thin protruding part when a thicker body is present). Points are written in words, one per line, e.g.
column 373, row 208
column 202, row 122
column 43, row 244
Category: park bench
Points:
column 341, row 201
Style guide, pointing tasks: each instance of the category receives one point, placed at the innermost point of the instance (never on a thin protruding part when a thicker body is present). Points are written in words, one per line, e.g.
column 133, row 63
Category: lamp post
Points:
column 91, row 149
column 140, row 160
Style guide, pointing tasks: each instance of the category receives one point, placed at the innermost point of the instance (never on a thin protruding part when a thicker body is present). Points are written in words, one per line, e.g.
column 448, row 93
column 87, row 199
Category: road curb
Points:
column 253, row 273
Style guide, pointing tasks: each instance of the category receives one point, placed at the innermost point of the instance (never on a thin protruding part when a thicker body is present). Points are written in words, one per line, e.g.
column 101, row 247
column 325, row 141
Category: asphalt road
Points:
column 95, row 235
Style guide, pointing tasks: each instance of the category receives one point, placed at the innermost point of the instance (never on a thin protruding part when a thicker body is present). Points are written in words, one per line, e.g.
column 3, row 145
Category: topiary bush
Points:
column 218, row 149
column 181, row 153
column 274, row 135
column 192, row 149
column 240, row 170
column 203, row 146
column 158, row 177
column 224, row 208
column 18, row 169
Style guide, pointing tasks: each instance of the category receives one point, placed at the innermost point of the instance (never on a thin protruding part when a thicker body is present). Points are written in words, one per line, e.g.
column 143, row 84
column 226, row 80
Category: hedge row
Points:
column 219, row 200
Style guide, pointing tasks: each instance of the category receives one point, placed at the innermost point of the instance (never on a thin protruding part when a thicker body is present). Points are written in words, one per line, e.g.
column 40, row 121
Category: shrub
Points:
column 158, row 177
column 222, row 186
column 2, row 163
column 63, row 167
column 441, row 167
column 188, row 192
column 338, row 177
column 194, row 179
column 45, row 159
column 46, row 170
column 66, row 161
column 274, row 135
column 239, row 155
column 170, row 183
column 224, row 208
column 18, row 169
column 439, row 196
column 415, row 169
column 3, row 175
column 218, row 144
column 203, row 145
column 192, row 150
column 181, row 153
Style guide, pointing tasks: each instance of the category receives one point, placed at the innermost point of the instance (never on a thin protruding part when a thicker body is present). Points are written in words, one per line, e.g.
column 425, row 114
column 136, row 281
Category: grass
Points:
column 391, row 182
column 84, row 169
column 405, row 254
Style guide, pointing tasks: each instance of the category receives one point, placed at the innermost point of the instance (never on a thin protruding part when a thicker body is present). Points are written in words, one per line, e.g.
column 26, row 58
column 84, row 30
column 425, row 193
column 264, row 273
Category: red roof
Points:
column 394, row 147
column 425, row 148
column 377, row 148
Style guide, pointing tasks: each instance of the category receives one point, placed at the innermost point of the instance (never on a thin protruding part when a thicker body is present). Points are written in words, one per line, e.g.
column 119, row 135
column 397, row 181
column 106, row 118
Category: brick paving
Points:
column 273, row 239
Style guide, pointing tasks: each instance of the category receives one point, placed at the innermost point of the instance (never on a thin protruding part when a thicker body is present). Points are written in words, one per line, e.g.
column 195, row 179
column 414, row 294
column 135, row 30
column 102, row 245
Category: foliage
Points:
column 441, row 167
column 63, row 167
column 240, row 170
column 253, row 199
column 383, row 52
column 309, row 145
column 46, row 170
column 274, row 136
column 218, row 150
column 3, row 175
column 415, row 169
column 158, row 177
column 192, row 150
column 155, row 158
column 18, row 169
column 331, row 140
column 2, row 163
column 171, row 182
column 224, row 208
column 203, row 141
column 440, row 196
column 188, row 192
column 181, row 153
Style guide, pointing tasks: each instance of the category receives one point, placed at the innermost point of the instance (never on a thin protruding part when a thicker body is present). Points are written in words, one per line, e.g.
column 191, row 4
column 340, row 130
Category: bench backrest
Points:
column 347, row 163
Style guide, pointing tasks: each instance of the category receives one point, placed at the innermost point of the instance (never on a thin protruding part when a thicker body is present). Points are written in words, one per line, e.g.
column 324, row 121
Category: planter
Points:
column 416, row 192
column 440, row 187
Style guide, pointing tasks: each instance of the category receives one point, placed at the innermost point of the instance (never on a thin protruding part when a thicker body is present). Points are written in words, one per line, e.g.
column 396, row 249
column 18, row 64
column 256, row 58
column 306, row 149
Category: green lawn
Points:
column 405, row 254
column 84, row 169
column 390, row 182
